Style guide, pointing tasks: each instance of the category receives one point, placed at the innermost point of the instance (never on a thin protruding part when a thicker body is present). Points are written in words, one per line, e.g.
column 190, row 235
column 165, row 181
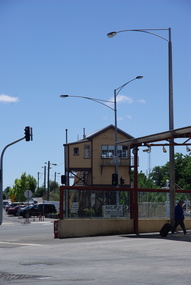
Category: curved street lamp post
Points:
column 104, row 102
column 116, row 92
column 171, row 116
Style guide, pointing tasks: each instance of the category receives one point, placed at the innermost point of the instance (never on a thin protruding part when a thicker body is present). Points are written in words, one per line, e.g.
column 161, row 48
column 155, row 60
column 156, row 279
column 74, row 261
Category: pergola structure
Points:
column 155, row 139
column 167, row 138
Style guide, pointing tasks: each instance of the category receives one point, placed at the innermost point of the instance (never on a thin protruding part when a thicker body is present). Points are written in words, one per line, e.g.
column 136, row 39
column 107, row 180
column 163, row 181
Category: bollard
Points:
column 56, row 229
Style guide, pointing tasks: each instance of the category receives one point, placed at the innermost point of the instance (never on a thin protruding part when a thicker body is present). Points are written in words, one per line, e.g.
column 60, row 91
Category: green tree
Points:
column 21, row 185
column 160, row 174
column 54, row 186
column 183, row 170
column 54, row 191
column 6, row 193
column 32, row 183
column 144, row 182
column 182, row 162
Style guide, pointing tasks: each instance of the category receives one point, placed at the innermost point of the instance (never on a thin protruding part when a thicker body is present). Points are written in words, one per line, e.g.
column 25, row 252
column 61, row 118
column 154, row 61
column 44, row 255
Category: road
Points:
column 30, row 255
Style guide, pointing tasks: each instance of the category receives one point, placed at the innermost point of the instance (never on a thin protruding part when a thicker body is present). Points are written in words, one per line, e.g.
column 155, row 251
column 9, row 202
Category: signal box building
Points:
column 91, row 160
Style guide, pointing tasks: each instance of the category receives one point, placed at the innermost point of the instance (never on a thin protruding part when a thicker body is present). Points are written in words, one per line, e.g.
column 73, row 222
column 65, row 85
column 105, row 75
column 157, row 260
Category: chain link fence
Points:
column 114, row 204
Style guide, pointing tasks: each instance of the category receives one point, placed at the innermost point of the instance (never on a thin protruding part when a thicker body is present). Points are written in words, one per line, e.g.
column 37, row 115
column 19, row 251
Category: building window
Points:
column 76, row 150
column 122, row 151
column 87, row 153
column 108, row 151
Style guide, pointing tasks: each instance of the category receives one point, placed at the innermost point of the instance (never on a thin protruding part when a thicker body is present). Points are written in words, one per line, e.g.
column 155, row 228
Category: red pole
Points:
column 61, row 216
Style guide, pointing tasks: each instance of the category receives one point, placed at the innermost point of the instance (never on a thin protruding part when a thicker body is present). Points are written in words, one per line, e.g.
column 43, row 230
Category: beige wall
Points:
column 78, row 161
column 91, row 227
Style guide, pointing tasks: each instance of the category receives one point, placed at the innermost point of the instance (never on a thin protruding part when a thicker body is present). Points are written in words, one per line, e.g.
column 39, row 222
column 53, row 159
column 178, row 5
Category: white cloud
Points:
column 141, row 101
column 125, row 99
column 8, row 99
column 127, row 117
column 122, row 98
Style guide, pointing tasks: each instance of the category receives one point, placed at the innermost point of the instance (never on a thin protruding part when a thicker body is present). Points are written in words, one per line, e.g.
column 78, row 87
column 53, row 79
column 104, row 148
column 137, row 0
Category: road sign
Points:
column 28, row 193
column 12, row 198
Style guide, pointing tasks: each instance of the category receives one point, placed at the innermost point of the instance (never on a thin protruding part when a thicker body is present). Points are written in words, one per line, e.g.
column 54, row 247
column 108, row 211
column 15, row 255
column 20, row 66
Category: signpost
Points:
column 28, row 194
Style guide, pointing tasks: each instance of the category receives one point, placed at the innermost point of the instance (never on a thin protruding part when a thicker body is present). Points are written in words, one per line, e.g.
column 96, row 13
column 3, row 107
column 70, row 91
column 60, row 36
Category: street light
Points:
column 44, row 178
column 148, row 150
column 171, row 116
column 103, row 102
column 48, row 178
column 116, row 92
column 55, row 175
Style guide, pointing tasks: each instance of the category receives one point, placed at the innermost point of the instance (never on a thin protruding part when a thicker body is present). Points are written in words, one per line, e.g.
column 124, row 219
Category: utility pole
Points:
column 44, row 179
column 48, row 178
column 48, row 181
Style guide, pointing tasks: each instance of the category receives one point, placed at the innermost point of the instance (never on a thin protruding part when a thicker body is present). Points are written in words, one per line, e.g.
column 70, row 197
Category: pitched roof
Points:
column 105, row 129
column 96, row 133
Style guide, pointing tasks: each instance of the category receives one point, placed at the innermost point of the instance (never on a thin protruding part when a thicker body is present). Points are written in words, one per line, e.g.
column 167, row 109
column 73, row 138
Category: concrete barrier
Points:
column 94, row 227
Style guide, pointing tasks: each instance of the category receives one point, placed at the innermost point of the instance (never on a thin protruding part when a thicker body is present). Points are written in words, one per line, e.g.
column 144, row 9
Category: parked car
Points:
column 5, row 203
column 37, row 210
column 14, row 204
column 14, row 210
column 24, row 210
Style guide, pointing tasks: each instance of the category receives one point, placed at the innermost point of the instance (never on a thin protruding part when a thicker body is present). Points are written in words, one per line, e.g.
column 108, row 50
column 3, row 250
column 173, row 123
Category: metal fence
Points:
column 116, row 204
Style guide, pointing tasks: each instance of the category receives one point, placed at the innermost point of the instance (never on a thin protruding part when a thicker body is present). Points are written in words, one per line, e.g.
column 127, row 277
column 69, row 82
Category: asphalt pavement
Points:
column 30, row 255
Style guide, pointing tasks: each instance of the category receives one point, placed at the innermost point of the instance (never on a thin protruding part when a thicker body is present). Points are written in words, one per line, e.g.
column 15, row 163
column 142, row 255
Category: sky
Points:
column 54, row 47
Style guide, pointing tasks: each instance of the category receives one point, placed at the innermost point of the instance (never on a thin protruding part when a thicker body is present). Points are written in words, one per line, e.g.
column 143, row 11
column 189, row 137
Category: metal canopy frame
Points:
column 149, row 141
column 164, row 136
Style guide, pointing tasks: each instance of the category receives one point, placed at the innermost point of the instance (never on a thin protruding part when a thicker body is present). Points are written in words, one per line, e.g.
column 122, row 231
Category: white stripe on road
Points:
column 18, row 243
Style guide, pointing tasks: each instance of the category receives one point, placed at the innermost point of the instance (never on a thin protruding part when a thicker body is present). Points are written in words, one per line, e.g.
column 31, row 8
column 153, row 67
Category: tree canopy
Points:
column 26, row 182
column 160, row 174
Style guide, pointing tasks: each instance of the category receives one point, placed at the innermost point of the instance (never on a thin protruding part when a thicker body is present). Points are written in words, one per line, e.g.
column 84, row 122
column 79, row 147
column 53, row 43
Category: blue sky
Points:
column 54, row 47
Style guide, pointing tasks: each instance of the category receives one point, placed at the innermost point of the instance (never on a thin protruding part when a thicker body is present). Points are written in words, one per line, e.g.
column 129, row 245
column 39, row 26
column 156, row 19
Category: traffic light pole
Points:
column 1, row 178
column 29, row 132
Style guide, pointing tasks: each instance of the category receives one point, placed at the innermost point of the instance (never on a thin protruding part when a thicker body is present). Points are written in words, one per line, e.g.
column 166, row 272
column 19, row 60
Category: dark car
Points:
column 37, row 210
column 22, row 211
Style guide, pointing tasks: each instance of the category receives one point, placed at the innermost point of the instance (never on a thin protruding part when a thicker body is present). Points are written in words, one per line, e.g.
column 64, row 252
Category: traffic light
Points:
column 28, row 133
column 122, row 181
column 63, row 179
column 114, row 179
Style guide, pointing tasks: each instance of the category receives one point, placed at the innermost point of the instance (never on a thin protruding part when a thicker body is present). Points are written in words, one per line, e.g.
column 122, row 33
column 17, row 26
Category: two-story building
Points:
column 91, row 160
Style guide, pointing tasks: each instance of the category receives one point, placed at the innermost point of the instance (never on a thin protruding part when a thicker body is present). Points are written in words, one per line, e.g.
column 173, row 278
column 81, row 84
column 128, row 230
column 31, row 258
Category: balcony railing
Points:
column 110, row 161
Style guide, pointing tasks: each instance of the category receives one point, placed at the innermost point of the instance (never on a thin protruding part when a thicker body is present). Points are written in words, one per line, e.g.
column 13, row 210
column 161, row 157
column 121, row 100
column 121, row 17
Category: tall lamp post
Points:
column 114, row 108
column 48, row 178
column 171, row 116
column 116, row 92
column 44, row 178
